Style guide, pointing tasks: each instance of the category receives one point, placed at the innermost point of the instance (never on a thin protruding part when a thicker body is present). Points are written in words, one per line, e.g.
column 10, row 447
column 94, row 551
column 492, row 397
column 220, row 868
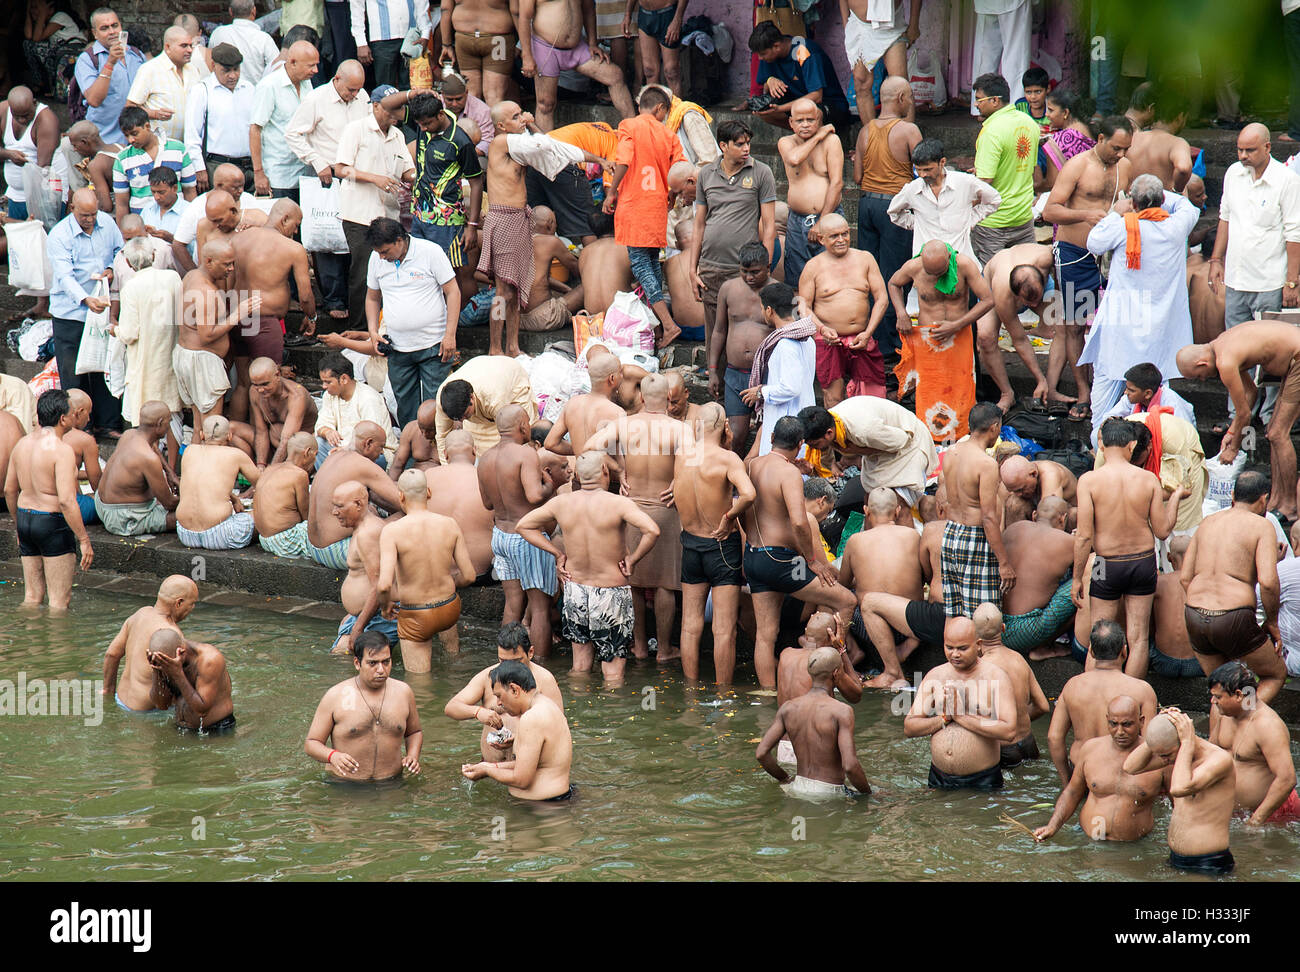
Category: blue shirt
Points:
column 275, row 99
column 805, row 69
column 155, row 217
column 75, row 256
column 87, row 71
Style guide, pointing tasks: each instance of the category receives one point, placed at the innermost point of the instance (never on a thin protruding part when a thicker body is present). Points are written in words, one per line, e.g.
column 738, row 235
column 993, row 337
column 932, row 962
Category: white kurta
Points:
column 146, row 324
column 1144, row 314
column 790, row 373
column 908, row 454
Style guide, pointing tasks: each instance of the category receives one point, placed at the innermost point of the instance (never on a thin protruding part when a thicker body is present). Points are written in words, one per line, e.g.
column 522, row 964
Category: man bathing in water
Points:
column 327, row 538
column 368, row 729
column 453, row 492
column 135, row 494
column 542, row 742
column 820, row 728
column 792, row 680
column 705, row 477
column 194, row 677
column 1116, row 805
column 280, row 409
column 1082, row 703
column 1030, row 701
column 416, row 554
column 1202, row 788
column 1122, row 512
column 282, row 501
column 597, row 598
column 1260, row 745
column 477, row 701
column 1231, row 553
column 177, row 596
column 968, row 709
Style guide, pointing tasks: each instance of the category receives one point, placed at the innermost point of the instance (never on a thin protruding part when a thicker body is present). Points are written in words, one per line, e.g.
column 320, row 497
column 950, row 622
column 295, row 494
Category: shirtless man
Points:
column 11, row 430
column 968, row 709
column 1042, row 555
column 511, row 484
column 738, row 330
column 1082, row 703
column 192, row 676
column 1274, row 346
column 222, row 219
column 1018, row 277
column 585, row 415
column 543, row 746
column 1160, row 150
column 976, row 567
column 177, row 596
column 1034, row 481
column 41, row 493
column 85, row 448
column 454, row 492
column 359, row 592
column 484, row 46
column 417, row 445
column 820, row 728
column 227, row 178
column 884, row 558
column 135, row 494
column 645, row 446
column 282, row 501
column 705, row 476
column 781, row 555
column 1116, row 805
column 814, row 168
column 550, row 41
column 1086, row 189
column 280, row 409
column 603, row 265
column 847, row 296
column 1202, row 787
column 680, row 405
column 822, row 630
column 1122, row 512
column 203, row 339
column 476, row 700
column 327, row 538
column 1231, row 552
column 416, row 555
column 356, row 716
column 597, row 597
column 548, row 311
column 1171, row 648
column 207, row 516
column 1030, row 701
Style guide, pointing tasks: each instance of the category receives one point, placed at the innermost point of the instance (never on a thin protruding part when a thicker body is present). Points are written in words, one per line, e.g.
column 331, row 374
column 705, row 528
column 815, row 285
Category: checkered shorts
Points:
column 970, row 570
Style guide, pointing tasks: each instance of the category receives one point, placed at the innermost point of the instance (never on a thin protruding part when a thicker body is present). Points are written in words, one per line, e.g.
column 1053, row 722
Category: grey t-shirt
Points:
column 733, row 209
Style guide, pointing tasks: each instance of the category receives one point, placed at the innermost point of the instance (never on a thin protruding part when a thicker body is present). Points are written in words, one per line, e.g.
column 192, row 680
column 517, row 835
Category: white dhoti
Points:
column 201, row 377
column 866, row 43
column 1002, row 38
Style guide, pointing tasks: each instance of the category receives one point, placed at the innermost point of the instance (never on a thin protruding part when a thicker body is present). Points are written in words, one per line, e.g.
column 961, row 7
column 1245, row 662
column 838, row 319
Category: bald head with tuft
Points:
column 413, row 485
column 988, row 622
column 216, row 429
column 823, row 662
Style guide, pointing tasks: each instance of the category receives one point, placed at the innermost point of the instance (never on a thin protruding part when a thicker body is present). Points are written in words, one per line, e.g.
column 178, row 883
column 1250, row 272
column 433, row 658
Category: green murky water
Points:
column 668, row 785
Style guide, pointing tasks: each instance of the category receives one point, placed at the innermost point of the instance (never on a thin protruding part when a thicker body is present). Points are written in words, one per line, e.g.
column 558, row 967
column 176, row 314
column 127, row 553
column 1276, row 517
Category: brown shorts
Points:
column 550, row 316
column 1290, row 391
column 420, row 622
column 1233, row 633
column 262, row 337
column 481, row 51
column 661, row 568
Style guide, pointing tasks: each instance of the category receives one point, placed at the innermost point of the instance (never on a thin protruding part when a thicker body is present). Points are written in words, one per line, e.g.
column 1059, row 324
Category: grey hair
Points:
column 817, row 488
column 1147, row 192
column 243, row 8
column 100, row 12
column 139, row 252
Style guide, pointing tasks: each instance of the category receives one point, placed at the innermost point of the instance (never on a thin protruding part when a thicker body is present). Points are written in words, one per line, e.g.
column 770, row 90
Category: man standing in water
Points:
column 1260, row 745
column 543, row 745
column 368, row 729
column 194, row 677
column 176, row 599
column 1202, row 787
column 359, row 594
column 820, row 727
column 968, row 709
column 1116, row 805
column 1031, row 703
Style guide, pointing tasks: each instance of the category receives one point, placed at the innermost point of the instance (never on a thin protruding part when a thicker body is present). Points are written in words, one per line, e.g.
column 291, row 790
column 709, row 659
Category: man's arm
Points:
column 991, row 518
column 387, row 570
column 1038, row 704
column 292, row 424
column 1083, row 533
column 261, row 437
column 1270, row 589
column 537, row 490
column 1181, row 157
column 522, row 770
column 924, row 719
column 766, row 752
column 460, row 554
column 1000, row 724
column 718, row 340
column 468, row 703
column 902, row 278
column 65, row 478
column 156, row 477
column 1057, row 211
column 368, row 550
column 766, row 227
column 403, row 453
column 1056, row 733
column 1275, row 746
column 534, row 525
column 1138, row 761
column 116, row 651
column 555, row 441
column 1066, row 804
column 1164, row 513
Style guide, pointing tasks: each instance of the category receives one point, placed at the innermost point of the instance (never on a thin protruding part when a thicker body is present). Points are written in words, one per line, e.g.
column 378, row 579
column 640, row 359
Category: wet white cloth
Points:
column 543, row 153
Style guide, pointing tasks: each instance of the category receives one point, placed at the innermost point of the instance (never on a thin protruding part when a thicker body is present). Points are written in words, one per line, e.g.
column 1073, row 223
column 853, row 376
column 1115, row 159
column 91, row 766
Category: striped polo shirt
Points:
column 132, row 167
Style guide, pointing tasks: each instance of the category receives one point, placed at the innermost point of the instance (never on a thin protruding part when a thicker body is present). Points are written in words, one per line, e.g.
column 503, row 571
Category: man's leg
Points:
column 694, row 599
column 895, row 243
column 1015, row 27
column 611, row 75
column 67, row 342
column 332, row 275
column 645, row 266
column 613, row 670
column 640, row 640
column 987, row 54
column 1265, row 663
column 1106, row 393
column 504, row 304
column 433, row 372
column 514, row 607
column 496, row 83
column 1137, row 623
column 672, row 61
column 359, row 254
column 59, row 572
column 539, row 620
column 862, row 79
column 880, row 613
column 796, row 247
column 33, row 581
column 665, row 615
column 1282, row 452
column 584, row 656
column 389, row 64
column 547, row 91
column 726, row 612
column 648, row 47
column 987, row 329
column 767, row 620
column 417, row 656
column 405, row 377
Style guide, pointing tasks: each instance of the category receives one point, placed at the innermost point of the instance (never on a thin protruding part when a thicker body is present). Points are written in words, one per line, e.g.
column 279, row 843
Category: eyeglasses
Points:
column 987, row 98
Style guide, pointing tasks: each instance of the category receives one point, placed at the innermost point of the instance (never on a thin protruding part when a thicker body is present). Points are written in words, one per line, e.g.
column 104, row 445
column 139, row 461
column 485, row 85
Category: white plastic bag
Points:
column 115, row 372
column 92, row 355
column 322, row 229
column 29, row 264
column 925, row 73
column 1223, row 477
column 44, row 201
column 629, row 322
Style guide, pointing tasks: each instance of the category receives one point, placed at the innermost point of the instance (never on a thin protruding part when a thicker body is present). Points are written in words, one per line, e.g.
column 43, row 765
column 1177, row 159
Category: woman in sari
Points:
column 1070, row 136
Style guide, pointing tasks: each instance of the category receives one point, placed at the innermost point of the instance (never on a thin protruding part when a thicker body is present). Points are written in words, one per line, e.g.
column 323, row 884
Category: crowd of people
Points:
column 887, row 512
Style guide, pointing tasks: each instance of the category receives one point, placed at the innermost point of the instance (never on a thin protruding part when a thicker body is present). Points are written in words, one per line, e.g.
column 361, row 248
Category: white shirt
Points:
column 1290, row 6
column 388, row 19
column 1144, row 315
column 1263, row 215
column 222, row 115
column 789, row 388
column 963, row 202
column 314, row 131
column 366, row 405
column 363, row 146
column 253, row 42
column 1288, row 612
column 415, row 310
column 188, row 227
column 539, row 151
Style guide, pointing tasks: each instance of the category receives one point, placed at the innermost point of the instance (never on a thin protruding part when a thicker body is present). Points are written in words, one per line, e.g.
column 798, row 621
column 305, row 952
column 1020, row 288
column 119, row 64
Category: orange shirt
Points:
column 594, row 137
column 648, row 149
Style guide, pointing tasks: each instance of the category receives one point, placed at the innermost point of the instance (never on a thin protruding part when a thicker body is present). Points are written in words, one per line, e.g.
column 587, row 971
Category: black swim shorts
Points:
column 1114, row 577
column 1220, row 862
column 926, row 619
column 1019, row 752
column 1233, row 633
column 989, row 779
column 655, row 23
column 777, row 569
column 718, row 563
column 568, row 794
column 42, row 534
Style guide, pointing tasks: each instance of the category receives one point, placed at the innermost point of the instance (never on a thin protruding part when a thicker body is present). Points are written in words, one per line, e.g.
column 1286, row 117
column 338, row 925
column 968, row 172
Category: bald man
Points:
column 1159, row 150
column 282, row 500
column 506, row 255
column 25, row 123
column 208, row 516
column 280, row 408
column 1030, row 701
column 135, row 495
column 1041, row 550
column 1116, row 805
column 227, row 178
column 162, row 85
column 223, row 217
column 551, row 304
column 1035, row 481
column 95, row 166
column 86, row 451
column 584, row 415
column 327, row 538
column 680, row 406
column 968, row 710
column 814, row 167
column 177, row 596
column 417, row 446
column 417, row 554
column 349, row 507
column 454, row 492
column 194, row 678
column 847, row 296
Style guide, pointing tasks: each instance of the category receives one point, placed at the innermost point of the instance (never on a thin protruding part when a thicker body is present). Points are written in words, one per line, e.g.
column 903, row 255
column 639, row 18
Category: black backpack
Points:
column 1045, row 429
column 1074, row 456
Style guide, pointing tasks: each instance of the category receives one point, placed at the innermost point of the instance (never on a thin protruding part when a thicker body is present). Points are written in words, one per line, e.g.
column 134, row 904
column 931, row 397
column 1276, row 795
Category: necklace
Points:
column 373, row 712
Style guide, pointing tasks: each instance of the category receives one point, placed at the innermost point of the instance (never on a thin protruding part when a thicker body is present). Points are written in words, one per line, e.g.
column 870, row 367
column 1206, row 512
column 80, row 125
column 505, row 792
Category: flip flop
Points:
column 1035, row 406
column 1079, row 412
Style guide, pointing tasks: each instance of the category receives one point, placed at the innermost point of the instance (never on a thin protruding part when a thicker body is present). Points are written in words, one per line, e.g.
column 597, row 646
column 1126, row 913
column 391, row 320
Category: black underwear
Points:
column 989, row 779
column 568, row 794
column 1114, row 577
column 1220, row 862
column 44, row 534
column 1019, row 752
column 777, row 569
column 1233, row 633
column 223, row 726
